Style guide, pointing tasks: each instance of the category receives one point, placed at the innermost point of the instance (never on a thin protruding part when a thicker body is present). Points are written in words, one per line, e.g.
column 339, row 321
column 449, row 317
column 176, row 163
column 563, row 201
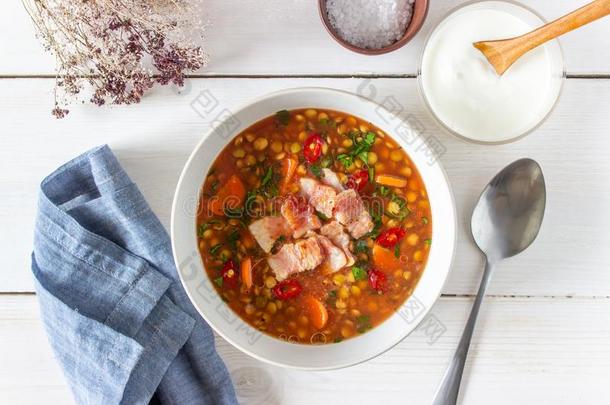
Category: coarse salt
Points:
column 371, row 24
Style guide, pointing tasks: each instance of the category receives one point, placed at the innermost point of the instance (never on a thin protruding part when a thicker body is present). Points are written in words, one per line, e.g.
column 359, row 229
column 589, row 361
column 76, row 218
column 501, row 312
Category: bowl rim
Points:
column 449, row 254
column 414, row 26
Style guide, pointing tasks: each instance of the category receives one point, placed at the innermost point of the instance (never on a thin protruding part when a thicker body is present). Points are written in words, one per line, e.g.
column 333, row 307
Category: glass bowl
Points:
column 553, row 48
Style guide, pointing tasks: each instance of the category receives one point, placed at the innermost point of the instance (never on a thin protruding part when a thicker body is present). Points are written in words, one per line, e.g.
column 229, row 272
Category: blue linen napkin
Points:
column 116, row 315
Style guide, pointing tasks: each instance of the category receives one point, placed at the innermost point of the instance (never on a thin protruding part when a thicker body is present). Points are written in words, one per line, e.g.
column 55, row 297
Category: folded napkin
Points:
column 116, row 315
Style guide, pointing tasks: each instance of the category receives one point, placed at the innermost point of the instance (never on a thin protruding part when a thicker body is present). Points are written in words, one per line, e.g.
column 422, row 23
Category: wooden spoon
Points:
column 504, row 52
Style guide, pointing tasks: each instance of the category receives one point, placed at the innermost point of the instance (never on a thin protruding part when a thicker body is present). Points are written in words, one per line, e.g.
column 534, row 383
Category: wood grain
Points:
column 540, row 350
column 154, row 139
column 286, row 37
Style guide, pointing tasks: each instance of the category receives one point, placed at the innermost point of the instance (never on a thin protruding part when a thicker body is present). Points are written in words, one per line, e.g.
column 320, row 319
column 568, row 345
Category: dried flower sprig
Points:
column 120, row 48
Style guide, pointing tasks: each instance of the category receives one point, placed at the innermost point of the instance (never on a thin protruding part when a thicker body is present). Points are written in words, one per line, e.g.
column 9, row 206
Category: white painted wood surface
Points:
column 544, row 334
column 286, row 37
column 154, row 139
column 525, row 351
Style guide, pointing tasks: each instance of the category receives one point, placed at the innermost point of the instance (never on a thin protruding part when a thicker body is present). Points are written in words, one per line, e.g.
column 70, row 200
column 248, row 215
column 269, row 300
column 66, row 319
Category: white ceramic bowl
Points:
column 272, row 350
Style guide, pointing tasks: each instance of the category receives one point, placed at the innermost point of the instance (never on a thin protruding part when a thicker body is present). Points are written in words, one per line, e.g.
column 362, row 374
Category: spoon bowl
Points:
column 507, row 218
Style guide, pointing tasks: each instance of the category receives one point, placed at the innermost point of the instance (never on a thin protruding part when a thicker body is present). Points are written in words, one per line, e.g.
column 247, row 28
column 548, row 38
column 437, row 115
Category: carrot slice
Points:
column 288, row 168
column 246, row 272
column 384, row 259
column 316, row 310
column 391, row 181
column 231, row 194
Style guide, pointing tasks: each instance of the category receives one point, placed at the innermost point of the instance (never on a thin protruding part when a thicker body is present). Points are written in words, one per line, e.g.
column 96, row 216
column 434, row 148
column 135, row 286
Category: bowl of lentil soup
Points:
column 311, row 235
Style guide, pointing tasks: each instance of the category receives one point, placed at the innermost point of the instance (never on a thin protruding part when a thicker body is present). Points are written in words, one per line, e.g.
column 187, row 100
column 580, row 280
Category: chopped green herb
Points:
column 269, row 184
column 278, row 244
column 316, row 170
column 326, row 161
column 218, row 281
column 345, row 159
column 361, row 246
column 363, row 323
column 214, row 186
column 205, row 226
column 403, row 211
column 377, row 223
column 328, row 122
column 338, row 339
column 331, row 299
column 397, row 250
column 359, row 273
column 223, row 258
column 214, row 249
column 268, row 176
column 250, row 198
column 362, row 148
column 384, row 191
column 283, row 117
column 424, row 220
column 232, row 239
column 361, row 145
column 201, row 229
column 371, row 174
column 428, row 242
column 321, row 216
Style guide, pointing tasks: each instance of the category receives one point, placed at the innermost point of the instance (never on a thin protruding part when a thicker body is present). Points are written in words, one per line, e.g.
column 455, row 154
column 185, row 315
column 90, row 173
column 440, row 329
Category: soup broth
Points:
column 314, row 226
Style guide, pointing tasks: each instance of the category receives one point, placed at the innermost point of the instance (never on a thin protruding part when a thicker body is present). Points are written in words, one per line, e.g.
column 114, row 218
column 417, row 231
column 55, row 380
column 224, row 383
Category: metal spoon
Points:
column 504, row 223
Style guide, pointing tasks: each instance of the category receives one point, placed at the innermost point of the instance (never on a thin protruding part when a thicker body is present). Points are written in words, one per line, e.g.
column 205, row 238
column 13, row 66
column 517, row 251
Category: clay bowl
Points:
column 420, row 10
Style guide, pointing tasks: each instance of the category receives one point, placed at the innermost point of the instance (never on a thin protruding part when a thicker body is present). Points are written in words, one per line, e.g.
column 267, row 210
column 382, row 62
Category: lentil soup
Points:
column 314, row 226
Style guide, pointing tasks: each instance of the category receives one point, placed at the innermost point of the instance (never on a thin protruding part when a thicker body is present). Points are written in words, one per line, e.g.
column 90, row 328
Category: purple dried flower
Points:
column 118, row 48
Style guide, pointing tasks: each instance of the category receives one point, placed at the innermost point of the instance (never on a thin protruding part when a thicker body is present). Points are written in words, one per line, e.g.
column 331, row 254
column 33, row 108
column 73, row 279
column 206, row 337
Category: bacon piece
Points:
column 330, row 178
column 285, row 262
column 362, row 225
column 293, row 258
column 321, row 197
column 334, row 231
column 350, row 211
column 335, row 258
column 267, row 230
column 300, row 216
column 309, row 253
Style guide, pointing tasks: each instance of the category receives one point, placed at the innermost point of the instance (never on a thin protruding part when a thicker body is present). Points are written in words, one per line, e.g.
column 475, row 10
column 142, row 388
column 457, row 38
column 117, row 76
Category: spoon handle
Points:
column 584, row 15
column 447, row 393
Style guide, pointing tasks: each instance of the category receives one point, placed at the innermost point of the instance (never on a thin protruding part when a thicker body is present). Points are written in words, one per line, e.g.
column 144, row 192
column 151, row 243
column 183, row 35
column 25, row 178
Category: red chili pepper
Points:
column 358, row 180
column 229, row 274
column 313, row 147
column 390, row 237
column 377, row 280
column 287, row 289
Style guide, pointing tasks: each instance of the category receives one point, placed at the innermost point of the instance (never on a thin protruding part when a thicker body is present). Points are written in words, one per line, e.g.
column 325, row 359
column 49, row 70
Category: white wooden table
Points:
column 544, row 333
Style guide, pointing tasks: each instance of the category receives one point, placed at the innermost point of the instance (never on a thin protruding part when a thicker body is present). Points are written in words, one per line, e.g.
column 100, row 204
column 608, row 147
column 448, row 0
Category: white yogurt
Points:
column 464, row 91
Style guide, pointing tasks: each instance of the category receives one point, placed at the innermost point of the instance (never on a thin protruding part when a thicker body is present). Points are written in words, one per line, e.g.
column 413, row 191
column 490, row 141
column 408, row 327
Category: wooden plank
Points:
column 287, row 38
column 154, row 139
column 541, row 350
